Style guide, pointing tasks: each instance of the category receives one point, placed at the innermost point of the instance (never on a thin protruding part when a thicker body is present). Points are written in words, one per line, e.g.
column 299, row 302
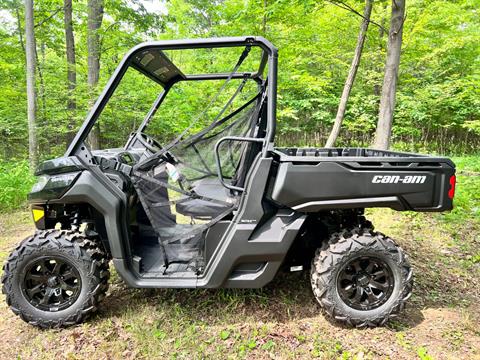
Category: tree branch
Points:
column 49, row 17
column 347, row 7
column 101, row 37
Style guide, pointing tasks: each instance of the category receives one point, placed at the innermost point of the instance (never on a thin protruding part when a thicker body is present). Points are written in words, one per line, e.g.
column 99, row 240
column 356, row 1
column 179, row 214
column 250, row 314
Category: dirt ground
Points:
column 280, row 321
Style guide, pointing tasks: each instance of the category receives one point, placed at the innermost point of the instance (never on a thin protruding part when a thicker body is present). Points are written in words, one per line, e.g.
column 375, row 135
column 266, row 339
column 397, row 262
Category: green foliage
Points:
column 15, row 183
column 438, row 99
column 224, row 334
column 467, row 192
column 469, row 164
column 422, row 354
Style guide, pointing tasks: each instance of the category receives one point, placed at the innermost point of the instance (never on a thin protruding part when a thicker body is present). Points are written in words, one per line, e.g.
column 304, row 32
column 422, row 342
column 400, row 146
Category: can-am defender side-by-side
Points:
column 206, row 200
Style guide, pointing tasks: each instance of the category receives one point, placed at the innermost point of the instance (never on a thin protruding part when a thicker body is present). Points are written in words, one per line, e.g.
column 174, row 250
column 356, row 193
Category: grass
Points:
column 282, row 320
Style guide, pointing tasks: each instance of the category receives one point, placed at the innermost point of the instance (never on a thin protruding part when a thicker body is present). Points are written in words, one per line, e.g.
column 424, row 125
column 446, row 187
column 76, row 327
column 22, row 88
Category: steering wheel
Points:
column 149, row 143
column 153, row 146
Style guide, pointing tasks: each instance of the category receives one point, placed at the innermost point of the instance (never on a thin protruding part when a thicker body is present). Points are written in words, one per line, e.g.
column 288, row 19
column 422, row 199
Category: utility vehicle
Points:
column 207, row 200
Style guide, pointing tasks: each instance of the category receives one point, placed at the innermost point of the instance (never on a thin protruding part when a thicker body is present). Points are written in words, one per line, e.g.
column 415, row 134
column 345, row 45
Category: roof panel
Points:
column 156, row 65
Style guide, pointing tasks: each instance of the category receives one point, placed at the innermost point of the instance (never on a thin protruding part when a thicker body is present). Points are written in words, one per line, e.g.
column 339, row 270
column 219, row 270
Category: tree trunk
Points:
column 264, row 20
column 71, row 67
column 31, row 93
column 342, row 106
column 381, row 32
column 19, row 28
column 389, row 88
column 40, row 62
column 95, row 16
column 70, row 52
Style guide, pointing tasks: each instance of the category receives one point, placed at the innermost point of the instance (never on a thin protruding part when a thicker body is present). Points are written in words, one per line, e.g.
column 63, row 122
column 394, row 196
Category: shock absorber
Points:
column 75, row 220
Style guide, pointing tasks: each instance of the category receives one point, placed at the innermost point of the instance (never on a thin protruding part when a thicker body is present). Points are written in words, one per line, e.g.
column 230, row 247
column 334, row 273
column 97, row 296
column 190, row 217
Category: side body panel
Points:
column 257, row 235
column 310, row 184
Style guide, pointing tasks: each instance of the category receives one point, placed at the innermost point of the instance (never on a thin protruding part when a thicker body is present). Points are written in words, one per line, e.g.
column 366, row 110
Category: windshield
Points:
column 185, row 106
column 184, row 81
column 125, row 110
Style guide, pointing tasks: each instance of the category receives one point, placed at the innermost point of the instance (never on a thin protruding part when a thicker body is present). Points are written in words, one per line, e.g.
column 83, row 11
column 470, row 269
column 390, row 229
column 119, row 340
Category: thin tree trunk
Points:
column 342, row 106
column 31, row 93
column 389, row 88
column 264, row 20
column 381, row 32
column 70, row 52
column 71, row 66
column 95, row 16
column 40, row 62
column 19, row 28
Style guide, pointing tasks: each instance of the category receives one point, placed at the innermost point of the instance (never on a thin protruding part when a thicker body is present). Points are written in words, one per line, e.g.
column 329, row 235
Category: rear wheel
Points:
column 55, row 278
column 361, row 278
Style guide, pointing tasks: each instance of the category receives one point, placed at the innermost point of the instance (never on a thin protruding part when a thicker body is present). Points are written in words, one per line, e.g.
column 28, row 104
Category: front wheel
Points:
column 55, row 278
column 361, row 278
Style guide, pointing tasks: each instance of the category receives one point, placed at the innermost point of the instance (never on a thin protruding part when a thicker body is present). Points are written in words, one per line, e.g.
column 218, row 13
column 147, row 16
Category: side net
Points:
column 179, row 187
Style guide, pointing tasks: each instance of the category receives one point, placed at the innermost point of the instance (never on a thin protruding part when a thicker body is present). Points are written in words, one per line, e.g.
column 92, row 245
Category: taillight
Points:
column 451, row 192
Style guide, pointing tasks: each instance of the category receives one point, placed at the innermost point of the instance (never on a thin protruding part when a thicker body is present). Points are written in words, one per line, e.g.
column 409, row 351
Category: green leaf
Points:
column 224, row 334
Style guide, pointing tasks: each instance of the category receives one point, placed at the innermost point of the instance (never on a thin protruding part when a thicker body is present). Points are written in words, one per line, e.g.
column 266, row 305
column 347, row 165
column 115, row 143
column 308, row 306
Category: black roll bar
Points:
column 267, row 47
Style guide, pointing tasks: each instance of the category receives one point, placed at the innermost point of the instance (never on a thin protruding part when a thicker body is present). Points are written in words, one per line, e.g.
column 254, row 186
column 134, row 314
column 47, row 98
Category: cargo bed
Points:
column 313, row 179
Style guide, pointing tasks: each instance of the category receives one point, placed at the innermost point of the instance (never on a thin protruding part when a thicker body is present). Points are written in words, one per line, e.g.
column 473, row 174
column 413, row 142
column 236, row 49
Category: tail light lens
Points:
column 451, row 191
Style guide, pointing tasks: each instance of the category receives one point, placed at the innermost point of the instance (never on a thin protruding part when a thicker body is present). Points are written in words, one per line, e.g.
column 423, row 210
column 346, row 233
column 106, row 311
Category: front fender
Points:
column 108, row 201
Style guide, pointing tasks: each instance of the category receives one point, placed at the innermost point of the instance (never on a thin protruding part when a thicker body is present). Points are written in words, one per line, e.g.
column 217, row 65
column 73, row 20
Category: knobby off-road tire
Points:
column 343, row 268
column 66, row 268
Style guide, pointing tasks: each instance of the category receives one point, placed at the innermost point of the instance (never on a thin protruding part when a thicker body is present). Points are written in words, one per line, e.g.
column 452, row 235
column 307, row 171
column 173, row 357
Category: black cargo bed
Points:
column 313, row 179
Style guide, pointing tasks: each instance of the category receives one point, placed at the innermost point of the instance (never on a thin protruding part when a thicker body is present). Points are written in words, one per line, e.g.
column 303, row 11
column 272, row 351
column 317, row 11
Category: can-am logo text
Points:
column 395, row 179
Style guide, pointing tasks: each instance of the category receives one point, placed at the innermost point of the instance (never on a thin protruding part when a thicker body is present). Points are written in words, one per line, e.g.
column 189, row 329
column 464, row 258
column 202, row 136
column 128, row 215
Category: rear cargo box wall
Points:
column 311, row 187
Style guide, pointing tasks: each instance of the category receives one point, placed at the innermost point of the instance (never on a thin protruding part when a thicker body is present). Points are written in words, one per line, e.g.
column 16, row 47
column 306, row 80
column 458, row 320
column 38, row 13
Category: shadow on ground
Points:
column 288, row 297
column 439, row 282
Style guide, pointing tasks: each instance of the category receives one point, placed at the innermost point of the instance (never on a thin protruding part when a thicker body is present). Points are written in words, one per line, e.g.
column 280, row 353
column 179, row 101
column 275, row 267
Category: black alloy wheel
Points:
column 56, row 278
column 51, row 283
column 365, row 283
column 361, row 278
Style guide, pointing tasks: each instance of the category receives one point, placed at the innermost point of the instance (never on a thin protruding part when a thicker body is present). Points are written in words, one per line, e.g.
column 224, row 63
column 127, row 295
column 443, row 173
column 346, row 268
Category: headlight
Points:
column 52, row 187
column 61, row 180
column 40, row 184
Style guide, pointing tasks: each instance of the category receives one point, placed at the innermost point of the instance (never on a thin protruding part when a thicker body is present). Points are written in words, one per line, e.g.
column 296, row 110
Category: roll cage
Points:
column 171, row 75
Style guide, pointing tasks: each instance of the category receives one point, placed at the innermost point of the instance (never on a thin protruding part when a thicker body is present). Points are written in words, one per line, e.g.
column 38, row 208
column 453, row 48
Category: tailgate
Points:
column 413, row 182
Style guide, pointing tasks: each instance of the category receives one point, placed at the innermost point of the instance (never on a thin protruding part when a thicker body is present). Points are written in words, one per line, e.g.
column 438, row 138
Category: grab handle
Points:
column 217, row 157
